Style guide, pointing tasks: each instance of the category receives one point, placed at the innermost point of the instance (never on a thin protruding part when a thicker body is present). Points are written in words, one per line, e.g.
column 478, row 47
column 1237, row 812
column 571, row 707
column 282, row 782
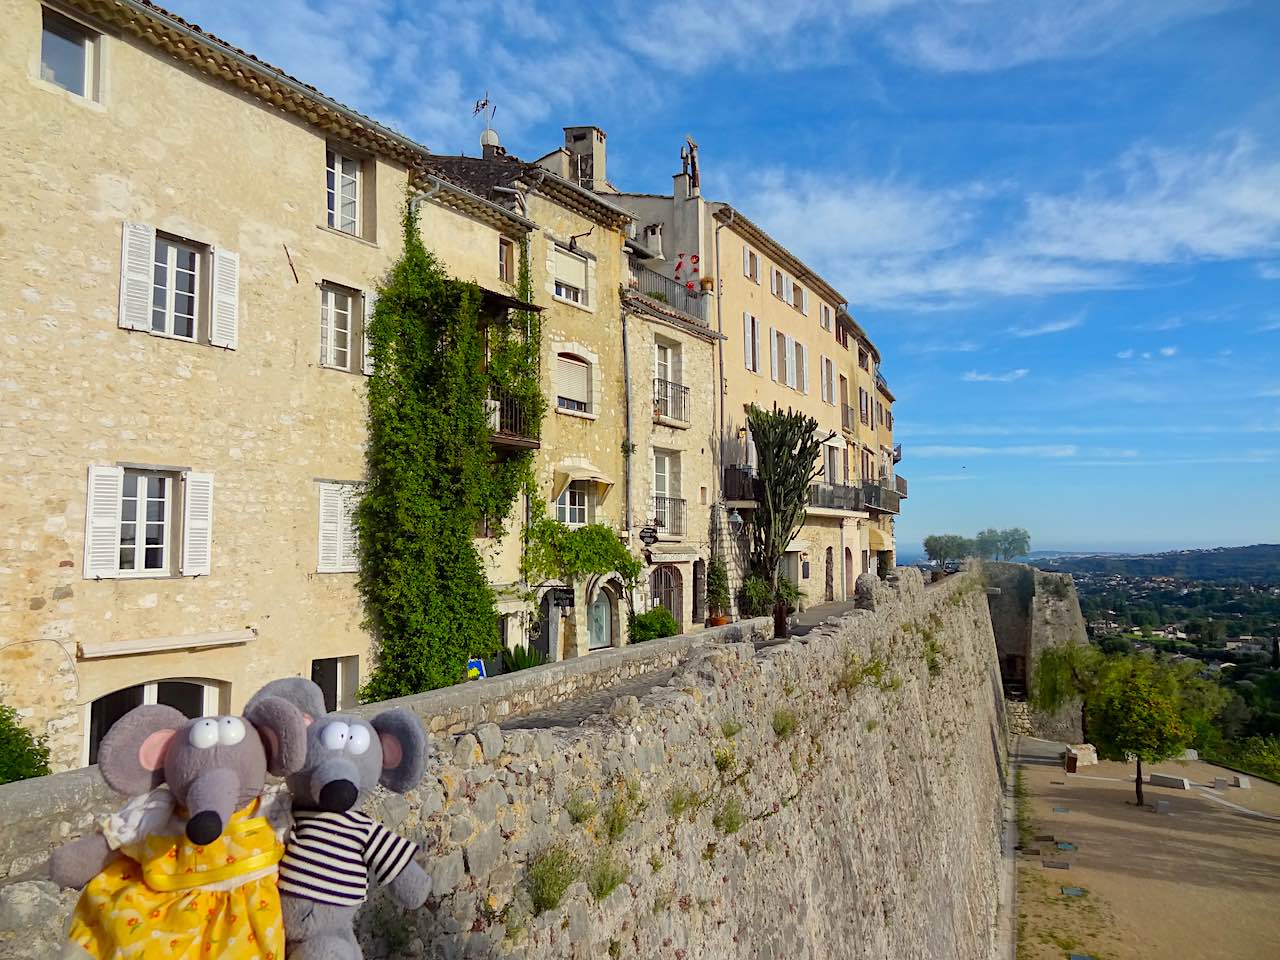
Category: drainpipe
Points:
column 515, row 193
column 626, row 407
column 717, row 452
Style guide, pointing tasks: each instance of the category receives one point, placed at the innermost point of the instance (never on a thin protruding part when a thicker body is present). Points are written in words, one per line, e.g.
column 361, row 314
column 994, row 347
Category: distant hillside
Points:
column 1257, row 564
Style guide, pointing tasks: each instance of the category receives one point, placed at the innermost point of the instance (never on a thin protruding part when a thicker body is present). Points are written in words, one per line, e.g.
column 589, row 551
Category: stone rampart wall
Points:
column 836, row 795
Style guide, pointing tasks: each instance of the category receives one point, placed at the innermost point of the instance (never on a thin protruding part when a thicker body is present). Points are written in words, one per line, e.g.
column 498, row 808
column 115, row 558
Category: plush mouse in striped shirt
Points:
column 334, row 849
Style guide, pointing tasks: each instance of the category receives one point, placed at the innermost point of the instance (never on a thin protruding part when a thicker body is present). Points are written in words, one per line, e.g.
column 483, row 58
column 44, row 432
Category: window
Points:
column 799, row 298
column 662, row 361
column 68, row 55
column 826, row 373
column 175, row 288
column 339, row 550
column 862, row 358
column 668, row 505
column 750, row 264
column 570, row 277
column 337, row 326
column 164, row 291
column 801, row 380
column 192, row 698
column 665, row 590
column 573, row 383
column 751, row 342
column 824, row 316
column 338, row 678
column 888, row 418
column 830, row 464
column 506, row 260
column 573, row 508
column 342, row 188
column 842, row 337
column 131, row 527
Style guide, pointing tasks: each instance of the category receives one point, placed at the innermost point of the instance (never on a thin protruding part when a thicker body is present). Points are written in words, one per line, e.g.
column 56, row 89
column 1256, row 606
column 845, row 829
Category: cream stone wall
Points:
column 174, row 149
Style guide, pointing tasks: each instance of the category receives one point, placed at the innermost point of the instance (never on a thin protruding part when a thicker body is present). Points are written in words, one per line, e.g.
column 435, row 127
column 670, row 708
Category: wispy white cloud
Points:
column 973, row 376
column 1125, row 354
column 907, row 429
column 1168, row 351
column 942, row 346
column 1269, row 271
column 1053, row 326
column 1032, row 450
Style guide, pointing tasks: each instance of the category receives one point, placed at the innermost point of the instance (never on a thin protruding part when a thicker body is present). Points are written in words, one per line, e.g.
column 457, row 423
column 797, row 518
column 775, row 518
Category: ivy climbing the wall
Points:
column 433, row 476
column 554, row 551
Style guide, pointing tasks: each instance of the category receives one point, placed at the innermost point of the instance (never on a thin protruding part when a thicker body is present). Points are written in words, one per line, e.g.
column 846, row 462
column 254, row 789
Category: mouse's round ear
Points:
column 304, row 694
column 132, row 754
column 404, row 749
column 283, row 730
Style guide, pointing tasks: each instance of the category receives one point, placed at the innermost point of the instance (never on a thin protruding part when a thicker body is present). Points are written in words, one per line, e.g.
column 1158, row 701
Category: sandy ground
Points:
column 1201, row 883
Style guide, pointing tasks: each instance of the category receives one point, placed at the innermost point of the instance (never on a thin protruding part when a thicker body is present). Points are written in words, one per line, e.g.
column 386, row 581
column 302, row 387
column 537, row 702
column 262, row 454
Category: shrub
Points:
column 729, row 819
column 621, row 810
column 730, row 728
column 718, row 586
column 755, row 599
column 549, row 875
column 604, row 875
column 784, row 723
column 22, row 756
column 933, row 654
column 521, row 657
column 653, row 625
column 790, row 594
column 681, row 801
column 725, row 759
column 580, row 809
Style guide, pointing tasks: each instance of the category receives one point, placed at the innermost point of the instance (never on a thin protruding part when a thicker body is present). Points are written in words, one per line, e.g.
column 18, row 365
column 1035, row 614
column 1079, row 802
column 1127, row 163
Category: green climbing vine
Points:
column 554, row 551
column 433, row 476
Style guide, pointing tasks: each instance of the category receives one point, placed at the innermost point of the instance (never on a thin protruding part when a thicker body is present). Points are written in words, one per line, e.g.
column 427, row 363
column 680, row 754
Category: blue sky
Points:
column 1059, row 221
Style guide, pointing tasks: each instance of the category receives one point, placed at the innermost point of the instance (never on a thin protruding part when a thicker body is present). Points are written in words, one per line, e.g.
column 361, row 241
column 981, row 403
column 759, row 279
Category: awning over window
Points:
column 829, row 437
column 566, row 474
column 877, row 539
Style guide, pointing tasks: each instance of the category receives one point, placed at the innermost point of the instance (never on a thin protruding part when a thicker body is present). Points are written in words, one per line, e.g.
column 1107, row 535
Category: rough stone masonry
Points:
column 834, row 796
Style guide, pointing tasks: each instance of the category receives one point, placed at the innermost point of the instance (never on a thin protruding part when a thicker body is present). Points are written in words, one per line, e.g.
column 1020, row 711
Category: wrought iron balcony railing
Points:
column 878, row 495
column 509, row 421
column 835, row 496
column 900, row 484
column 670, row 400
column 671, row 292
column 669, row 515
column 741, row 484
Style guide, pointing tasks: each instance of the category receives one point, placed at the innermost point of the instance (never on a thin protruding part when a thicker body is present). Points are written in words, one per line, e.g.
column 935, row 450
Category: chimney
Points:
column 490, row 145
column 586, row 156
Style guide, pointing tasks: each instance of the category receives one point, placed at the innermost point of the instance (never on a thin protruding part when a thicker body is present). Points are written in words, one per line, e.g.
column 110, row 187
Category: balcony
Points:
column 877, row 495
column 671, row 292
column 741, row 485
column 670, row 401
column 848, row 418
column 509, row 422
column 835, row 496
column 669, row 515
column 900, row 484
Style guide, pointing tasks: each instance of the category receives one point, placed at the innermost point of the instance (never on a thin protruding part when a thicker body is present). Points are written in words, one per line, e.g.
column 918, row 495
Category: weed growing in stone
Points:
column 681, row 801
column 549, row 875
column 615, row 949
column 621, row 810
column 1022, row 809
column 729, row 819
column 604, row 876
column 725, row 760
column 932, row 653
column 580, row 809
column 709, row 851
column 730, row 728
column 872, row 724
column 784, row 723
column 392, row 927
column 655, row 863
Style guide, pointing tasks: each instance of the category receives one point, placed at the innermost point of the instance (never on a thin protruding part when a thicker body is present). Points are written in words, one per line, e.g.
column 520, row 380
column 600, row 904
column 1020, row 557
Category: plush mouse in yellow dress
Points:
column 187, row 869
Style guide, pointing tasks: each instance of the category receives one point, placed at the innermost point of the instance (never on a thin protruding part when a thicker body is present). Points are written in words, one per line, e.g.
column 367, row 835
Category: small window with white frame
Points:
column 342, row 191
column 825, row 316
column 573, row 507
column 750, row 264
column 146, row 523
column 573, row 383
column 175, row 288
column 142, row 522
column 69, row 54
column 339, row 319
column 338, row 679
column 506, row 260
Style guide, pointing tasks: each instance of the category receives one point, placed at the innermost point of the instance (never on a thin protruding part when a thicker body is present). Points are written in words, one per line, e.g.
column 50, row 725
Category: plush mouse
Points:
column 334, row 848
column 187, row 868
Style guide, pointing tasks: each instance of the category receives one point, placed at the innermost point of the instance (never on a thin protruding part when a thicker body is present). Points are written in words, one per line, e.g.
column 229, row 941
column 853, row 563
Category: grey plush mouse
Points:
column 334, row 848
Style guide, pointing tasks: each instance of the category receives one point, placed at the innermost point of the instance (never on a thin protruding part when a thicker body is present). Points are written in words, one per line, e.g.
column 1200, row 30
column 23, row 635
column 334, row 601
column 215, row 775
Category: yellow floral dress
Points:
column 168, row 898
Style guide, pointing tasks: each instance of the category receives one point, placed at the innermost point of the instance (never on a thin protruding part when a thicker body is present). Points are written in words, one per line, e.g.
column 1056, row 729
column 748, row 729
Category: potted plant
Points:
column 718, row 592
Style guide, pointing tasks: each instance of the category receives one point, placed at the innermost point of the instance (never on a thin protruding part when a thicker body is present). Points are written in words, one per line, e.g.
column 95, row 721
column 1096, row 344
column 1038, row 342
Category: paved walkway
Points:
column 572, row 713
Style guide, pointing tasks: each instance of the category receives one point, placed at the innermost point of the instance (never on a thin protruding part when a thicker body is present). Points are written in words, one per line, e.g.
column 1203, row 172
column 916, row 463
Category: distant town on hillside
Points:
column 1256, row 564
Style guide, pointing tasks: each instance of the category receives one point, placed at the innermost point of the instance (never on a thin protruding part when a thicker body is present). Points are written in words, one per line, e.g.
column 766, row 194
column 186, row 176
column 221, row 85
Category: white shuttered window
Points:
column 342, row 187
column 130, row 528
column 335, row 327
column 573, row 383
column 751, row 342
column 802, row 368
column 339, row 541
column 570, row 277
column 197, row 524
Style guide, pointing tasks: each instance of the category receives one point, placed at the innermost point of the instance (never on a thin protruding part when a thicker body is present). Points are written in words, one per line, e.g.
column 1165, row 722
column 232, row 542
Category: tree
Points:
column 22, row 756
column 941, row 547
column 1135, row 713
column 787, row 450
column 987, row 543
column 1014, row 542
column 1065, row 673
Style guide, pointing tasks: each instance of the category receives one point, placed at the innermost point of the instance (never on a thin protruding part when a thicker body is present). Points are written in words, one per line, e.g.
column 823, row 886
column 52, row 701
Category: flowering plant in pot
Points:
column 718, row 592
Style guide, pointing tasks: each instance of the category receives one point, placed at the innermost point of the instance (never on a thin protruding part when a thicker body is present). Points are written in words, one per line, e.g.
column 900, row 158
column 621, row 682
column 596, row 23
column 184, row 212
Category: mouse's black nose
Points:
column 337, row 796
column 204, row 828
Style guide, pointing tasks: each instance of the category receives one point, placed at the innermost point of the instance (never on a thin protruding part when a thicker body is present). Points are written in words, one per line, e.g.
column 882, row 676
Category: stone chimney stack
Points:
column 586, row 156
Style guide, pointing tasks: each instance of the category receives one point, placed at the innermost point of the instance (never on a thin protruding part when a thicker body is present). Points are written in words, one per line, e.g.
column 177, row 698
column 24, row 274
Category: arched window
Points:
column 573, row 383
column 194, row 698
column 665, row 587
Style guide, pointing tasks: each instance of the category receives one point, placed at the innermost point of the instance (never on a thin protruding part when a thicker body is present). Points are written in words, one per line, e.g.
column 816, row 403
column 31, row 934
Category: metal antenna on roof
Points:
column 483, row 105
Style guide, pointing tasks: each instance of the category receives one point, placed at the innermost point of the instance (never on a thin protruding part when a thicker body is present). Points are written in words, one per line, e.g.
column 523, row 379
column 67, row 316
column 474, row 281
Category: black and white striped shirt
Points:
column 329, row 856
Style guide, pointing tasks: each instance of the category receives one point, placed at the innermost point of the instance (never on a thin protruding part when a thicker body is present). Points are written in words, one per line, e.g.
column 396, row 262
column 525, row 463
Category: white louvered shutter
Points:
column 102, row 522
column 823, row 386
column 802, row 365
column 349, row 547
column 773, row 281
column 224, row 326
column 746, row 261
column 331, row 510
column 747, row 340
column 788, row 290
column 137, row 263
column 197, row 524
column 790, row 347
column 773, row 354
column 804, row 300
column 370, row 304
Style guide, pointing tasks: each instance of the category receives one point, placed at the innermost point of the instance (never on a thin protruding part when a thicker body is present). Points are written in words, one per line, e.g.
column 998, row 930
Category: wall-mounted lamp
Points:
column 735, row 523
